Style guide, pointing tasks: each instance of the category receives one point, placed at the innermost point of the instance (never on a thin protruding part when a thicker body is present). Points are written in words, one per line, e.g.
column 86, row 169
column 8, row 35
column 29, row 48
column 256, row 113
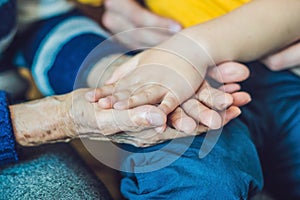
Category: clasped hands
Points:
column 179, row 104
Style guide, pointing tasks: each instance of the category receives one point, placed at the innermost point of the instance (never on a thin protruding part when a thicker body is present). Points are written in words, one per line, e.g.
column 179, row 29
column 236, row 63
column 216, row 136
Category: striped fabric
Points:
column 55, row 48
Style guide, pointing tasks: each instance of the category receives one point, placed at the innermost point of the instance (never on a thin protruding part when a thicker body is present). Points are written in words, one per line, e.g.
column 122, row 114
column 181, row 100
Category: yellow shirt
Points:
column 192, row 12
column 91, row 2
column 187, row 12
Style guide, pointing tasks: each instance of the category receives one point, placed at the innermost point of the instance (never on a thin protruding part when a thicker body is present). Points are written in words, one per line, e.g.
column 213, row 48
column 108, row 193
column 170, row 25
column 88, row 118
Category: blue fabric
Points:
column 274, row 121
column 8, row 153
column 230, row 171
column 30, row 40
column 64, row 71
column 71, row 53
column 8, row 17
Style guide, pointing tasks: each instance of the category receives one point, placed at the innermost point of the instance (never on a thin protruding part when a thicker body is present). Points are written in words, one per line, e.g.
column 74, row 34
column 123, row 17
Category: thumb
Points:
column 136, row 119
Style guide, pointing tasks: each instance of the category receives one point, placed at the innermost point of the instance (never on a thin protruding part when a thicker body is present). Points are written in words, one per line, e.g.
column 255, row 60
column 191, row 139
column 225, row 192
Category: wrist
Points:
column 194, row 51
column 41, row 121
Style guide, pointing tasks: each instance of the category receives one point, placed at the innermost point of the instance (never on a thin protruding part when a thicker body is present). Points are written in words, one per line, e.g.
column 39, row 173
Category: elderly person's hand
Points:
column 211, row 108
column 122, row 15
column 61, row 118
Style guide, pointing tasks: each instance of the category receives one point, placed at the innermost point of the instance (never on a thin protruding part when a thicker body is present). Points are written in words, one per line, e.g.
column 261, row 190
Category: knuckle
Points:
column 191, row 106
column 148, row 94
column 132, row 100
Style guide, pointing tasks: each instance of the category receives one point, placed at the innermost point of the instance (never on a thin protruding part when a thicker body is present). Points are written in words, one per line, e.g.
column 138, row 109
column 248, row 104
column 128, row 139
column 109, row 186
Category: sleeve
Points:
column 8, row 152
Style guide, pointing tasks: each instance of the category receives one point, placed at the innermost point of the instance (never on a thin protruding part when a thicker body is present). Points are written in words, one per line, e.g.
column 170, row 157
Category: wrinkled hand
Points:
column 209, row 103
column 122, row 15
column 90, row 120
column 63, row 117
column 287, row 58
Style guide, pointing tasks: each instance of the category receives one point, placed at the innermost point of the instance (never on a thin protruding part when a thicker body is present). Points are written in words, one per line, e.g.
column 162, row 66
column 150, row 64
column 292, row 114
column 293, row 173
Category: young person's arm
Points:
column 170, row 73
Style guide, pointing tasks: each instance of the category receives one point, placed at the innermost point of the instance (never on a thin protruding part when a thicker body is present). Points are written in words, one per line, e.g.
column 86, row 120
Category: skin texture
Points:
column 264, row 32
column 287, row 58
column 219, row 106
column 61, row 118
column 64, row 117
column 124, row 15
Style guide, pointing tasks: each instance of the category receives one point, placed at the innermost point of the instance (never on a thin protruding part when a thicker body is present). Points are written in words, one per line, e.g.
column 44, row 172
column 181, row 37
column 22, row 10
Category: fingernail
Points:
column 103, row 103
column 155, row 119
column 174, row 28
column 248, row 100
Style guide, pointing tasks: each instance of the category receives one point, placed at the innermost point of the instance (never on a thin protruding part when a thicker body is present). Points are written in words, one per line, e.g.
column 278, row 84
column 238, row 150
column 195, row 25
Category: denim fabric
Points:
column 230, row 171
column 273, row 118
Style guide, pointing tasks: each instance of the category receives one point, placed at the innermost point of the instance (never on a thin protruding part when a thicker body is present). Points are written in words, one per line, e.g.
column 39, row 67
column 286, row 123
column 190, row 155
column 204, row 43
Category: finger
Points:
column 287, row 58
column 213, row 97
column 230, row 88
column 125, row 6
column 135, row 119
column 229, row 114
column 229, row 72
column 150, row 95
column 109, row 101
column 149, row 19
column 240, row 98
column 169, row 103
column 95, row 94
column 140, row 16
column 202, row 114
column 115, row 22
column 201, row 129
column 181, row 121
column 123, row 70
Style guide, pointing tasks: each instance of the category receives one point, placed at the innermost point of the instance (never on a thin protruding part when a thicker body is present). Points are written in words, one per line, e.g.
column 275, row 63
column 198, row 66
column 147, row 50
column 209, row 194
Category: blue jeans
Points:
column 268, row 130
column 230, row 171
column 274, row 122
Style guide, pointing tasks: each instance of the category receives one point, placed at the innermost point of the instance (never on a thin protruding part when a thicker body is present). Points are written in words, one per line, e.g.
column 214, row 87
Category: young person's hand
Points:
column 154, row 76
column 287, row 58
column 219, row 104
column 213, row 108
column 123, row 15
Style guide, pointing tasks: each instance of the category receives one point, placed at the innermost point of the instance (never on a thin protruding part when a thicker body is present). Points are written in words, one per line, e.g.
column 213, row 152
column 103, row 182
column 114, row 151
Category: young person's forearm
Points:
column 250, row 32
column 246, row 34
